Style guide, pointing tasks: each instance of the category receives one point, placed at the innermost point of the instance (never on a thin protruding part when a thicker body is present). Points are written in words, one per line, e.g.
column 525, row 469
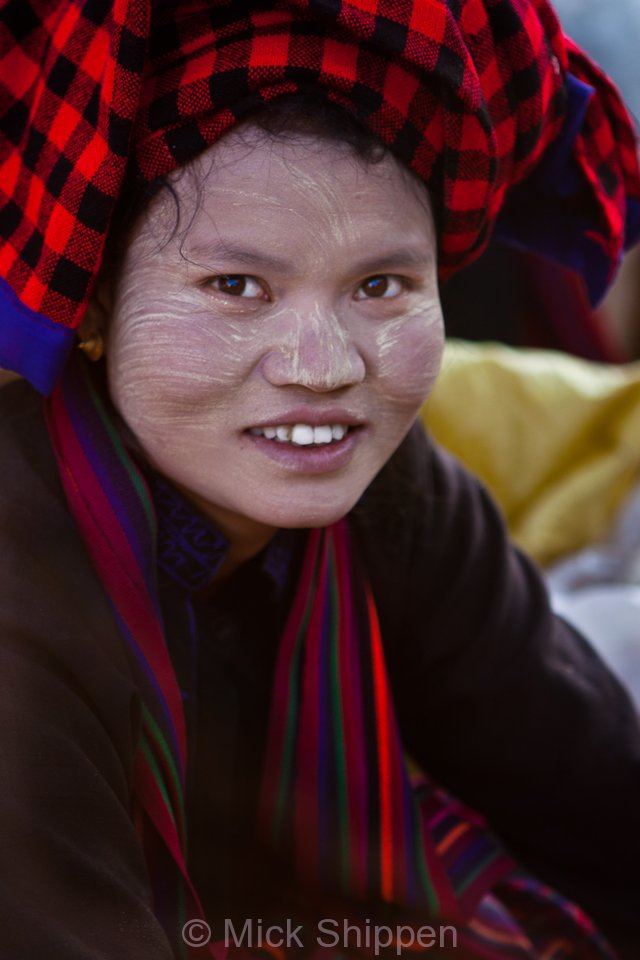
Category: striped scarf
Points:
column 336, row 796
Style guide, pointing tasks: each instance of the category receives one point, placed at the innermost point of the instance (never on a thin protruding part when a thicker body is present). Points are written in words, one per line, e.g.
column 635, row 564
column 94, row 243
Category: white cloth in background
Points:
column 598, row 590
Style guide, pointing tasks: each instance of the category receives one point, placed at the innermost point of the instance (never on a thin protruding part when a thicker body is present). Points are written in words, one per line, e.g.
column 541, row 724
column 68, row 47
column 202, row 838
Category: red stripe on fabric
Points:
column 155, row 805
column 113, row 557
column 280, row 694
column 307, row 800
column 382, row 725
column 450, row 838
column 490, row 875
column 156, row 809
column 351, row 697
column 400, row 828
column 447, row 903
column 400, row 840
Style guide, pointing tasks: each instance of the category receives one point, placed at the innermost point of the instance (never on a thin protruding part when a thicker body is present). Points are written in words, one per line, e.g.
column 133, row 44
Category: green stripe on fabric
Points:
column 147, row 752
column 288, row 746
column 291, row 725
column 161, row 743
column 475, row 873
column 423, row 874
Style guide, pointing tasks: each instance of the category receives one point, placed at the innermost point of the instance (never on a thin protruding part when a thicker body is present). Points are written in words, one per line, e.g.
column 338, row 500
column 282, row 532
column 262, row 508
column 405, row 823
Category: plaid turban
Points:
column 502, row 116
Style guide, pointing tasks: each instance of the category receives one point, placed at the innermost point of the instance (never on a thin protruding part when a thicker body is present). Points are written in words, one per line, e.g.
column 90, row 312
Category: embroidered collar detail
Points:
column 191, row 550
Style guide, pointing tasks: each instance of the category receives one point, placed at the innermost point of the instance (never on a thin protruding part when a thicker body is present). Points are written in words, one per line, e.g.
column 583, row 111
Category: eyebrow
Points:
column 408, row 256
column 400, row 257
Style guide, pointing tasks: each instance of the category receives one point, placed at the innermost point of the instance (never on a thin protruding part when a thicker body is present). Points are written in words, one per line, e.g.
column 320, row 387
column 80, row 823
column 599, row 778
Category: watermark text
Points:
column 330, row 933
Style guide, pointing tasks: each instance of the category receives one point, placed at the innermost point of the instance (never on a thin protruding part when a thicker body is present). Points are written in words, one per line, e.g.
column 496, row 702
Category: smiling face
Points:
column 271, row 355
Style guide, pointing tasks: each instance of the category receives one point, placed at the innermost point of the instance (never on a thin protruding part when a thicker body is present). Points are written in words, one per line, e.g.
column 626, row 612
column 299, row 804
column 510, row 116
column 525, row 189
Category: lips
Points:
column 307, row 441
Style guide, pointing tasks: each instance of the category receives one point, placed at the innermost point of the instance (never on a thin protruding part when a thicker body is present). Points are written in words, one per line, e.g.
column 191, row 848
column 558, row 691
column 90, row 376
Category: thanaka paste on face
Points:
column 191, row 371
column 314, row 351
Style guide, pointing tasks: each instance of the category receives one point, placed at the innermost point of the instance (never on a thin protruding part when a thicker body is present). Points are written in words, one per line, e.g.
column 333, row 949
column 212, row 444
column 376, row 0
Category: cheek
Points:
column 408, row 355
column 168, row 357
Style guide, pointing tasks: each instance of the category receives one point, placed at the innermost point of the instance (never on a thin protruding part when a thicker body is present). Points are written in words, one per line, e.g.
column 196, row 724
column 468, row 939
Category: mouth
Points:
column 304, row 448
column 305, row 434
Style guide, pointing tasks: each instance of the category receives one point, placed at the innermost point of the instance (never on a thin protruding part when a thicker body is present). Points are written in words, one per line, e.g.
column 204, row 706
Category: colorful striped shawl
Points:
column 336, row 792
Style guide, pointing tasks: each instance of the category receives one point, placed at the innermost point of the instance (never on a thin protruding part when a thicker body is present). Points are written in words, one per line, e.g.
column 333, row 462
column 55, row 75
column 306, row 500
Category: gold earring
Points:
column 93, row 345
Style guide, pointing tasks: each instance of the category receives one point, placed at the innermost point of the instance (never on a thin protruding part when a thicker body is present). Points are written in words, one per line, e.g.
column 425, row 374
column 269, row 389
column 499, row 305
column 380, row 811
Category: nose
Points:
column 313, row 349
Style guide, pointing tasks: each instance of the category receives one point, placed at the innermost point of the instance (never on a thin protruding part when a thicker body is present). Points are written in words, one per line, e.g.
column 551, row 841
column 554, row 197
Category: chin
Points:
column 309, row 511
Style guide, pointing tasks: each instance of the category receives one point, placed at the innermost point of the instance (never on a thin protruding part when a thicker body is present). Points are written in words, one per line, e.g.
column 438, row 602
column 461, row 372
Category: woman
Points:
column 238, row 584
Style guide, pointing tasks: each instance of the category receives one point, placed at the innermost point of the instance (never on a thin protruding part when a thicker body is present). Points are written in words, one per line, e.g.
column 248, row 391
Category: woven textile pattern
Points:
column 70, row 81
column 471, row 94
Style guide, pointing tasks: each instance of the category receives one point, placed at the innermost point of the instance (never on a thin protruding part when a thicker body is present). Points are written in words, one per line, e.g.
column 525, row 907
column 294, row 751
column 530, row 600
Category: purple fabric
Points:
column 41, row 361
column 532, row 210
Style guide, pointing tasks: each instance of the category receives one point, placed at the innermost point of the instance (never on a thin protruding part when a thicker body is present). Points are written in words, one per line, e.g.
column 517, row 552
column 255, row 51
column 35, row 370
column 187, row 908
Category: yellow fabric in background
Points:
column 555, row 439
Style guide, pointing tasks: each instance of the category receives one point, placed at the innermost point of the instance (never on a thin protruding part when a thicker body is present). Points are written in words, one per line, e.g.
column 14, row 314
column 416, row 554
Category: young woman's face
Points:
column 271, row 355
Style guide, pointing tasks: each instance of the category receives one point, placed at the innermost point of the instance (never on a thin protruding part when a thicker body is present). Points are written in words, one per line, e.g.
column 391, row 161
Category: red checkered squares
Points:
column 340, row 60
column 470, row 95
column 270, row 50
column 429, row 20
column 56, row 116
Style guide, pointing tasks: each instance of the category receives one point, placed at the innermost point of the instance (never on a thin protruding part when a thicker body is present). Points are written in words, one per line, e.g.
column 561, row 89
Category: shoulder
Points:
column 35, row 525
column 438, row 554
column 69, row 722
column 412, row 524
column 34, row 521
column 28, row 478
column 425, row 503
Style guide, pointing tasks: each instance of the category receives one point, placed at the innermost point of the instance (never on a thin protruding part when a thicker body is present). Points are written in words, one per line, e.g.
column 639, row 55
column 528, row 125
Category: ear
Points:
column 96, row 319
column 92, row 331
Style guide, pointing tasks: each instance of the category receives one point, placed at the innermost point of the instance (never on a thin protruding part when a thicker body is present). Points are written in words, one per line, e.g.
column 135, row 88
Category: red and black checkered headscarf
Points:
column 486, row 100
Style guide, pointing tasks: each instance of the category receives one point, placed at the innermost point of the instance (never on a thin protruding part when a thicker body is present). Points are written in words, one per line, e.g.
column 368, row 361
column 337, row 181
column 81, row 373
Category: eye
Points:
column 238, row 285
column 381, row 286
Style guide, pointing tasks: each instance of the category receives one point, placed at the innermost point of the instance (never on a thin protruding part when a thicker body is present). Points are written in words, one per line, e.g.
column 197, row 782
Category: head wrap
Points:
column 473, row 95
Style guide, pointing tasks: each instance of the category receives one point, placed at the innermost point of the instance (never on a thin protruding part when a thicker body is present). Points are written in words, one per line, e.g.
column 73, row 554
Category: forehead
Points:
column 252, row 183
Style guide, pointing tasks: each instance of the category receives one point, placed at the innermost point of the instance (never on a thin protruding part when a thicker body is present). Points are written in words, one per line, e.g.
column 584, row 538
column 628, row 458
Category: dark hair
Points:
column 284, row 118
column 314, row 115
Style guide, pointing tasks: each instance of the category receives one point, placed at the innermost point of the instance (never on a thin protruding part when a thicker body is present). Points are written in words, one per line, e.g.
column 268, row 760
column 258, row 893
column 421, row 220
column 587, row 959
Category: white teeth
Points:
column 302, row 434
column 322, row 435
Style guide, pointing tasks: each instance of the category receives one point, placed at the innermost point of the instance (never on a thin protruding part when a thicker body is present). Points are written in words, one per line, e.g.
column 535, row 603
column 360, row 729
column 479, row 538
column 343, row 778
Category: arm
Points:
column 74, row 882
column 508, row 707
